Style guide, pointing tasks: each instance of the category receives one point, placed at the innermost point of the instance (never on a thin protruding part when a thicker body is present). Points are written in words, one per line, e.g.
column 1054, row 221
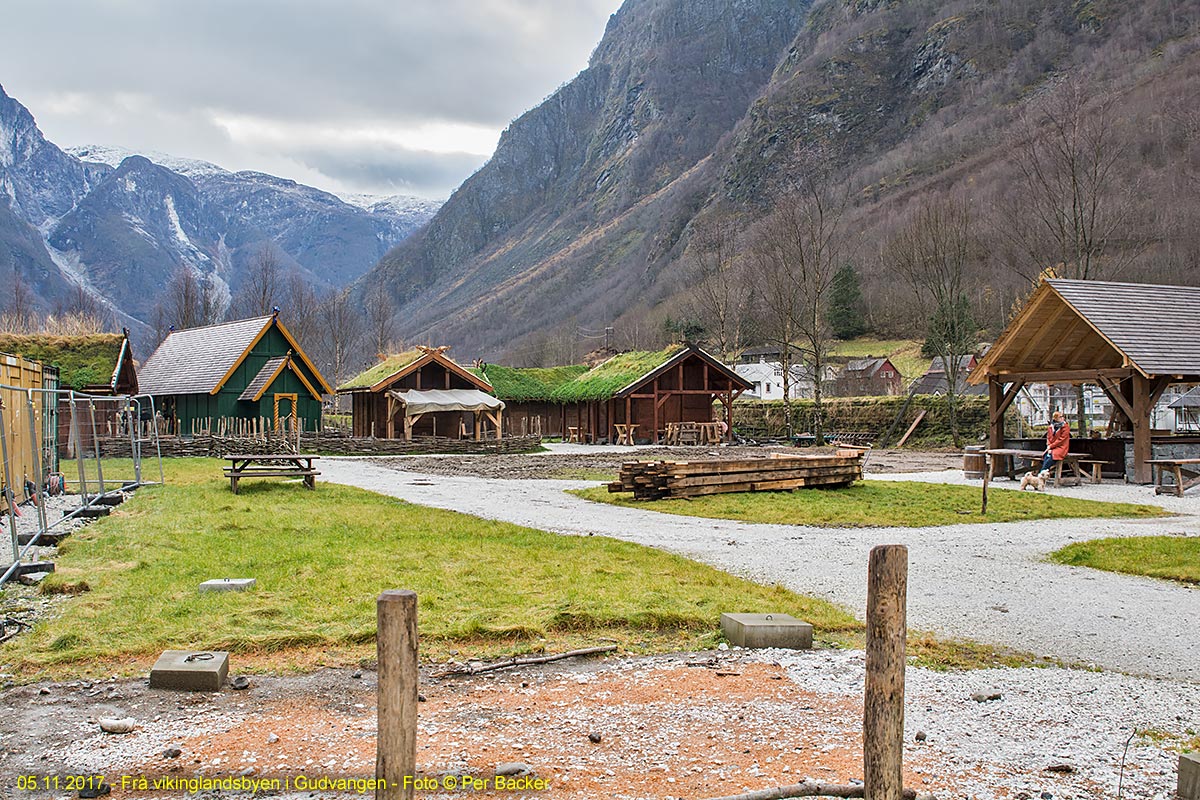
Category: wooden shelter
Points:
column 1131, row 340
column 422, row 392
column 645, row 389
column 249, row 370
column 528, row 395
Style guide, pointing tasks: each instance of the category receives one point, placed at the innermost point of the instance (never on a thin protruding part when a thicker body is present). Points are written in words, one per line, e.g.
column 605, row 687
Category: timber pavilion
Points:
column 1131, row 340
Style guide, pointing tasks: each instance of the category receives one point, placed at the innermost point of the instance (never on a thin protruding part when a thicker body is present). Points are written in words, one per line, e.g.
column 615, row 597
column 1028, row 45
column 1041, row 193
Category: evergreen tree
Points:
column 845, row 314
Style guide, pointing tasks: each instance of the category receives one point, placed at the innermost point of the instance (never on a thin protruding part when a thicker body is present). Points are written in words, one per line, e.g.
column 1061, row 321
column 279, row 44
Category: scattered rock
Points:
column 722, row 646
column 420, row 698
column 43, row 690
column 356, row 674
column 32, row 578
column 983, row 697
column 172, row 752
column 239, row 683
column 921, row 736
column 514, row 768
column 109, row 725
column 1047, row 796
column 594, row 738
column 99, row 790
column 247, row 772
column 1065, row 769
column 1022, row 796
column 272, row 738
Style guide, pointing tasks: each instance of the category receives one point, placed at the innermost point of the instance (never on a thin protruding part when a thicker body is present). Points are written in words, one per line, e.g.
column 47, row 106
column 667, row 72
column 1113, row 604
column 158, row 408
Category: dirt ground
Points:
column 550, row 465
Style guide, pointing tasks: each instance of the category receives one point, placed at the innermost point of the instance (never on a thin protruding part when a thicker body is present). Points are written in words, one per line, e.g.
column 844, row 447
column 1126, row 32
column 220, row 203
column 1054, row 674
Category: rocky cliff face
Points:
column 118, row 224
column 585, row 189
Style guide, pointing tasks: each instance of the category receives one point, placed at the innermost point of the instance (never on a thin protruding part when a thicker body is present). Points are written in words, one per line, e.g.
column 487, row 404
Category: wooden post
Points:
column 1142, row 447
column 883, row 696
column 396, row 738
column 995, row 416
column 987, row 475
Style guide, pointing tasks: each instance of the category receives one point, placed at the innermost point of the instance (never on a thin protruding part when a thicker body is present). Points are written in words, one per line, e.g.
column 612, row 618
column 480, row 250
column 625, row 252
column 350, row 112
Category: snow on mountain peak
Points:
column 113, row 156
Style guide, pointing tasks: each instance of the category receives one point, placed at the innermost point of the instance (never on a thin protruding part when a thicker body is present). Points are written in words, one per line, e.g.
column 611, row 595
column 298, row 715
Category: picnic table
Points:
column 283, row 465
column 1007, row 461
column 625, row 432
column 1184, row 470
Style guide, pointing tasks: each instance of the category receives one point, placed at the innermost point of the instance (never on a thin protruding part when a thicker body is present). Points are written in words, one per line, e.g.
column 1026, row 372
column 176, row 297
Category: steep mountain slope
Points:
column 594, row 177
column 119, row 224
column 689, row 108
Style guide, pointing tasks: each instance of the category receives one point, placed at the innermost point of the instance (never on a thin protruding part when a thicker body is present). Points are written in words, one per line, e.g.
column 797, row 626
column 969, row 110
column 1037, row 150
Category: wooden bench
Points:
column 1011, row 458
column 1097, row 474
column 1183, row 470
column 271, row 466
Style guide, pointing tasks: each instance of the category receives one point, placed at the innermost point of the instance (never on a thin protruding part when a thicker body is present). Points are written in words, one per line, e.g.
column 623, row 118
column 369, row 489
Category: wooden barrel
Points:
column 973, row 463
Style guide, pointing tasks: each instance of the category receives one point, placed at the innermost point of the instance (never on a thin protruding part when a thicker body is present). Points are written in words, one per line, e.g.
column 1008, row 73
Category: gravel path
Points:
column 982, row 582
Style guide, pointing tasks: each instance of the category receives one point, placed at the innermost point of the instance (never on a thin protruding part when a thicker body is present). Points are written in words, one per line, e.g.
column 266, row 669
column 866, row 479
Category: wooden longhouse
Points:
column 646, row 389
column 422, row 392
column 1131, row 340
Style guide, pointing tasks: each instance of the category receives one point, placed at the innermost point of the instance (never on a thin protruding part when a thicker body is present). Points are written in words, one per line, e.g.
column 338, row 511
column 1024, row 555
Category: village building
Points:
column 869, row 377
column 98, row 365
column 935, row 381
column 251, row 371
column 1110, row 335
column 633, row 396
column 528, row 395
column 422, row 392
column 766, row 379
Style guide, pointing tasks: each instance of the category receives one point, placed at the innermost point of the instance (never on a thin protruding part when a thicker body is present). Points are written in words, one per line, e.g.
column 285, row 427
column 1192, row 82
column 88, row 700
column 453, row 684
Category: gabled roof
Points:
column 528, row 384
column 623, row 373
column 869, row 366
column 1189, row 399
column 1097, row 325
column 201, row 360
column 395, row 367
column 91, row 362
column 267, row 375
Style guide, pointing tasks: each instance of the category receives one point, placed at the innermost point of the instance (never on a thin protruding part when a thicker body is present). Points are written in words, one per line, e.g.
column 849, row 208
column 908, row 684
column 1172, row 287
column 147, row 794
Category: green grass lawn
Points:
column 878, row 503
column 322, row 557
column 1175, row 558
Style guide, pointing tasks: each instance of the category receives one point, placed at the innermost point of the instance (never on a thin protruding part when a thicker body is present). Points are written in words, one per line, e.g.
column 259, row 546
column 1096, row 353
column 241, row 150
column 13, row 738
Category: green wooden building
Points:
column 251, row 369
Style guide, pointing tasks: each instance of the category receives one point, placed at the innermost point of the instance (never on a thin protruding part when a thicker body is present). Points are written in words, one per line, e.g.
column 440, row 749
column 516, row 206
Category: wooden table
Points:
column 1179, row 468
column 1034, row 457
column 710, row 432
column 624, row 432
column 286, row 465
column 572, row 433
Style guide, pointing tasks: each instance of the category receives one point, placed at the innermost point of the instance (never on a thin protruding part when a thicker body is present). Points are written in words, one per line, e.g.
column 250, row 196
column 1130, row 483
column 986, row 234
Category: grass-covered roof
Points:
column 389, row 366
column 528, row 384
column 606, row 379
column 82, row 361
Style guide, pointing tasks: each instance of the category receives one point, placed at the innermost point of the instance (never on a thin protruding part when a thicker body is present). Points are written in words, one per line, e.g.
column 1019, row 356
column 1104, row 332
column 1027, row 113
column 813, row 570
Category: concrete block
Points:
column 767, row 630
column 190, row 670
column 94, row 512
column 1189, row 776
column 30, row 567
column 228, row 585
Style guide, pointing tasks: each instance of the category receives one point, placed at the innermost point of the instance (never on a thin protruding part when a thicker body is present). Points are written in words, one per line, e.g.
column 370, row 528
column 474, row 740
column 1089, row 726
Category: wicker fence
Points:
column 327, row 443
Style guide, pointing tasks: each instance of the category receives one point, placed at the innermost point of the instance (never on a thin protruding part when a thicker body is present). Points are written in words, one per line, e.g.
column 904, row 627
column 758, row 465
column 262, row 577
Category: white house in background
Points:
column 1037, row 401
column 767, row 377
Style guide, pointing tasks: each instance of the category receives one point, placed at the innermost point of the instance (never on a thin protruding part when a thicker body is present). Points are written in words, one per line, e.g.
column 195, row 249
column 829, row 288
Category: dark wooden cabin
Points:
column 422, row 392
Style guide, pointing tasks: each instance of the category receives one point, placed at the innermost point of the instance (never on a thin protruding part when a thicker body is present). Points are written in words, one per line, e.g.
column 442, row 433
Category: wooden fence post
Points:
column 396, row 728
column 883, row 697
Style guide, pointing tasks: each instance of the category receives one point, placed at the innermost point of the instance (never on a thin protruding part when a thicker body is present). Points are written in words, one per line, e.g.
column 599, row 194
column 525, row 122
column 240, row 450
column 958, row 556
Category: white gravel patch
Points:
column 984, row 582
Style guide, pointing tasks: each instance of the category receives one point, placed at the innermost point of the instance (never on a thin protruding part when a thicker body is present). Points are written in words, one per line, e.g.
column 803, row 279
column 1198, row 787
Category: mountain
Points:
column 118, row 224
column 691, row 109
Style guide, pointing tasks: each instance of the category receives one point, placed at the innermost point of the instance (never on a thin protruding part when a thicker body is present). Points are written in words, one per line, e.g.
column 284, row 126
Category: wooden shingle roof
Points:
column 265, row 375
column 1075, row 326
column 195, row 360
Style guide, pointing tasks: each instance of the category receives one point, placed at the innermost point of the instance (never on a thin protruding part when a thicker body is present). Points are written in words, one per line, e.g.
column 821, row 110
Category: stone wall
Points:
column 871, row 415
column 326, row 443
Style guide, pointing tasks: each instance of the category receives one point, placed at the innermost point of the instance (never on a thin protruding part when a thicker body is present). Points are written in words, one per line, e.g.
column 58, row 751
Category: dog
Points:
column 1035, row 481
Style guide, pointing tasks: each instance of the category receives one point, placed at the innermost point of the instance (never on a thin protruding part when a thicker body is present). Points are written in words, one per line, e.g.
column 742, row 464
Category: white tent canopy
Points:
column 435, row 400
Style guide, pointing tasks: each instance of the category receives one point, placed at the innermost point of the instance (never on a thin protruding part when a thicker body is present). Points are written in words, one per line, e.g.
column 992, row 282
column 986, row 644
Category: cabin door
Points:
column 285, row 412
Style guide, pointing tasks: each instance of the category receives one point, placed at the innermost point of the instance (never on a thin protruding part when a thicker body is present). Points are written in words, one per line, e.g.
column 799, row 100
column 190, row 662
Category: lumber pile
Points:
column 655, row 480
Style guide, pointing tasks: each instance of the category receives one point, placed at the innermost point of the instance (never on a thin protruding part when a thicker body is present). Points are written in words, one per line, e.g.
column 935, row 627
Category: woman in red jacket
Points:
column 1058, row 441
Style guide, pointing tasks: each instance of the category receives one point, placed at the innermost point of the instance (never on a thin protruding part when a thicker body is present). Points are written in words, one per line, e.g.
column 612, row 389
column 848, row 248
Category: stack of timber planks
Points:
column 656, row 480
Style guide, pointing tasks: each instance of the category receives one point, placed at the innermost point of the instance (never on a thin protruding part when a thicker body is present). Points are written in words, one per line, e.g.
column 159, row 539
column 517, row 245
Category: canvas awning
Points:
column 435, row 400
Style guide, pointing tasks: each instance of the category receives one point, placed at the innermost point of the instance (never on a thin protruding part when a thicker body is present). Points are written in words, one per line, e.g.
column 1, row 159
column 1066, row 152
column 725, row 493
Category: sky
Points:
column 371, row 96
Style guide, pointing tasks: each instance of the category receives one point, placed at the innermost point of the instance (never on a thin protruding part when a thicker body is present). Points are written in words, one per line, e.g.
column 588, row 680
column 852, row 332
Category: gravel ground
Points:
column 985, row 582
column 675, row 726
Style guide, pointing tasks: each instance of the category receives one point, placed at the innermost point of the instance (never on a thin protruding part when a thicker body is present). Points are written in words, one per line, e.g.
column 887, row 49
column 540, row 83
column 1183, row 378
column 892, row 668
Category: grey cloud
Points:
column 394, row 170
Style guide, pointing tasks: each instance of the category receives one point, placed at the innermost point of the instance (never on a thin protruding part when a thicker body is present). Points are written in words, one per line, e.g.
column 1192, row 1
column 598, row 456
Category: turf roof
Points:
column 87, row 360
column 606, row 379
column 528, row 384
column 389, row 366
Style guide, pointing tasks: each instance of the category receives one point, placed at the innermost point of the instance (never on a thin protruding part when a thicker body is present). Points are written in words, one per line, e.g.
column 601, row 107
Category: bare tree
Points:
column 932, row 254
column 343, row 329
column 262, row 288
column 381, row 317
column 19, row 314
column 191, row 301
column 720, row 295
column 302, row 311
column 800, row 247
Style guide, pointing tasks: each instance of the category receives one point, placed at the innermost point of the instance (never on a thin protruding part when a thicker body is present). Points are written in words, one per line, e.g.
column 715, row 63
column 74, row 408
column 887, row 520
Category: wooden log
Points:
column 766, row 475
column 396, row 741
column 807, row 789
column 883, row 694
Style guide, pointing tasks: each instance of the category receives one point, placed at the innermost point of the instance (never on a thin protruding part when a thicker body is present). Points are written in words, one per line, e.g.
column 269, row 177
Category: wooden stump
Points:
column 883, row 697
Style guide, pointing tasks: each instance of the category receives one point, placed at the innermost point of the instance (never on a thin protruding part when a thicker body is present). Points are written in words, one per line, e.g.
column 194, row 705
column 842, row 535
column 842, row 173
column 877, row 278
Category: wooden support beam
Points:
column 1141, row 429
column 1059, row 340
column 1114, row 392
column 1063, row 375
column 1006, row 400
column 1033, row 342
column 996, row 417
